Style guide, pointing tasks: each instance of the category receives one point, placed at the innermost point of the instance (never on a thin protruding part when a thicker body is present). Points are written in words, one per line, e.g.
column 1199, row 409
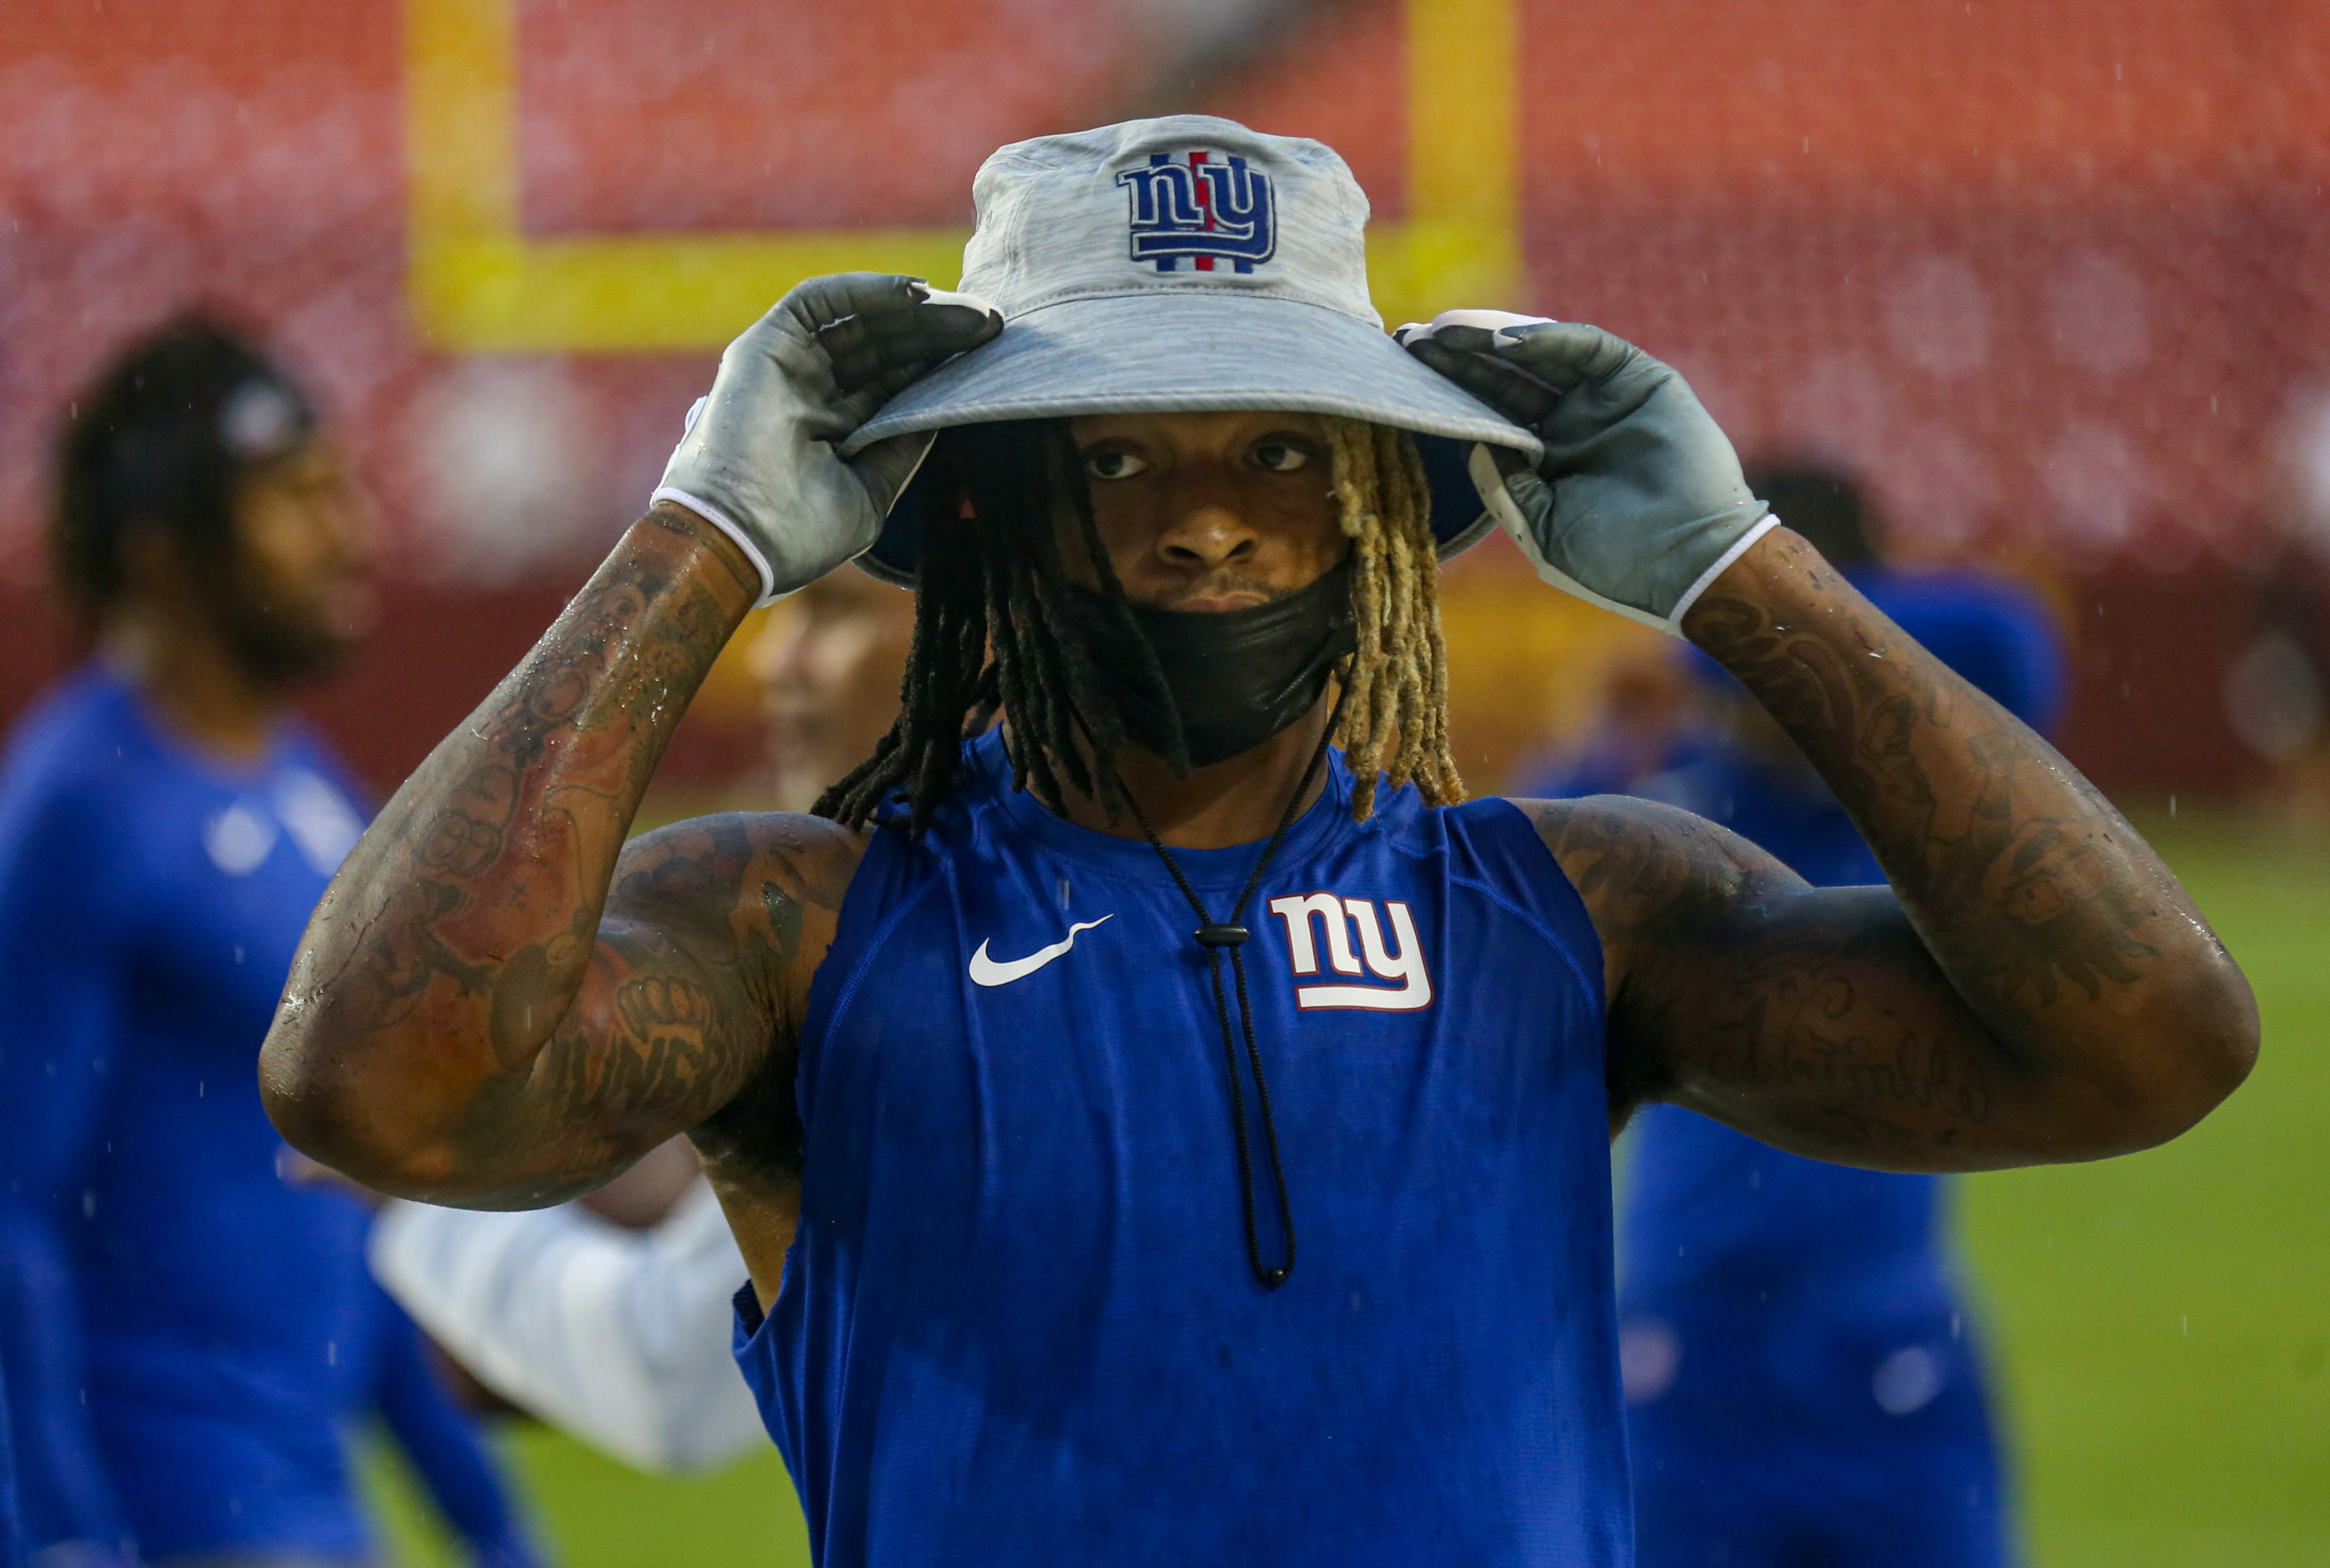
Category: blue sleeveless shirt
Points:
column 1017, row 1324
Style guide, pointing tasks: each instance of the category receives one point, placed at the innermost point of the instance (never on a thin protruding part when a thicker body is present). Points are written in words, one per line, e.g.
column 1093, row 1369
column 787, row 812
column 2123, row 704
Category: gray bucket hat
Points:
column 1181, row 265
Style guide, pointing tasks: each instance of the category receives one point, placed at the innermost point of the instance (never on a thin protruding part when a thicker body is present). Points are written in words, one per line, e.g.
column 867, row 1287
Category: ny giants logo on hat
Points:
column 1207, row 208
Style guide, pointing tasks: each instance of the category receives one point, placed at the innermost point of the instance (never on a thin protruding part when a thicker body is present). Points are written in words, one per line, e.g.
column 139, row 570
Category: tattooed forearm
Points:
column 2025, row 881
column 2034, row 985
column 458, row 1020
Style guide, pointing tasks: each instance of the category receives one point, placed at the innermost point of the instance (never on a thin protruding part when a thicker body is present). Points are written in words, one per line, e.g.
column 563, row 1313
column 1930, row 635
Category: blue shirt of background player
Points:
column 12, row 1534
column 188, row 1336
column 1765, row 1294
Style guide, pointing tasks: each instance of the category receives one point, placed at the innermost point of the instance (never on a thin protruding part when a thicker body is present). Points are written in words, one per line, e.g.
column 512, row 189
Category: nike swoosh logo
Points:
column 986, row 971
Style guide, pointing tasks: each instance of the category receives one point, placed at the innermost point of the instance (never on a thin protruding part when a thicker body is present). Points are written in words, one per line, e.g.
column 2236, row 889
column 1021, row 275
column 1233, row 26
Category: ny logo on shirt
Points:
column 1336, row 919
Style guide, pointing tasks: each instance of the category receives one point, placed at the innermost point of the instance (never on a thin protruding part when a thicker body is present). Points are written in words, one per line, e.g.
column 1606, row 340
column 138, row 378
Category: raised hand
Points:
column 757, row 457
column 1638, row 504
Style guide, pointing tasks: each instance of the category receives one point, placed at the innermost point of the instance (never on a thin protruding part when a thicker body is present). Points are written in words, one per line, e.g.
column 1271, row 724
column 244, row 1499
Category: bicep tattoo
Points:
column 1829, row 1030
column 1813, row 1018
column 689, row 1014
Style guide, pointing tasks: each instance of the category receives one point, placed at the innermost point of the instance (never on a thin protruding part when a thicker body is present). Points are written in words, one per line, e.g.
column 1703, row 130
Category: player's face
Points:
column 301, row 590
column 828, row 661
column 1209, row 512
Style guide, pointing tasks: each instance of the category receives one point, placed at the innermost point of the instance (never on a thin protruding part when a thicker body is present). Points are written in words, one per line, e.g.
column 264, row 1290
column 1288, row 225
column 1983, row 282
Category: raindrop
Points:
column 1907, row 1381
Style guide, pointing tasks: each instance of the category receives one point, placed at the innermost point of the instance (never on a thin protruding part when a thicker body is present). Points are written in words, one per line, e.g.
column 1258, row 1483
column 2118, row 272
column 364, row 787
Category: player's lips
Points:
column 1214, row 603
column 1212, row 594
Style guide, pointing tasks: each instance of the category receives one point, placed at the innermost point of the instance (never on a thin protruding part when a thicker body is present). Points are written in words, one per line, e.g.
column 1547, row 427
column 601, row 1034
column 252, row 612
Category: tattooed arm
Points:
column 489, row 1007
column 475, row 1015
column 2034, row 987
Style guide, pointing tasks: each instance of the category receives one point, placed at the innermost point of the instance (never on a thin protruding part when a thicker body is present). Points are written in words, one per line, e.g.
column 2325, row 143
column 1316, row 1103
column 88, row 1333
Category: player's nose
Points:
column 1206, row 530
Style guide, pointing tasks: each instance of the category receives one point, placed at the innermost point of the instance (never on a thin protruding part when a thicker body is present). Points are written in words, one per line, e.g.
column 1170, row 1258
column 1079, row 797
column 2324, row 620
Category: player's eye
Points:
column 1280, row 456
column 1109, row 463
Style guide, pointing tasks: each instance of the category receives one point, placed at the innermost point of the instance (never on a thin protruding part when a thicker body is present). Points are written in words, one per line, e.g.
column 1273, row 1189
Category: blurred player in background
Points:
column 1802, row 1381
column 188, row 1336
column 608, row 1317
column 828, row 661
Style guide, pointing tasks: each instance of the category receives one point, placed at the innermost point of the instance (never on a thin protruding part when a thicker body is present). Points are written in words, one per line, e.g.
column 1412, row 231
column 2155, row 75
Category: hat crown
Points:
column 1185, row 203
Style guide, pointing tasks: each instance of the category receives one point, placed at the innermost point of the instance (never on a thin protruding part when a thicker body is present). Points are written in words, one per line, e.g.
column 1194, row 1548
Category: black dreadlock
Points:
column 989, row 631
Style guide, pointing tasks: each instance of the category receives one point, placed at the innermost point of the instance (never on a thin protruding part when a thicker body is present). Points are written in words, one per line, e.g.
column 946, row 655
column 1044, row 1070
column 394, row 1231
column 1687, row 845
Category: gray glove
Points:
column 1639, row 504
column 757, row 460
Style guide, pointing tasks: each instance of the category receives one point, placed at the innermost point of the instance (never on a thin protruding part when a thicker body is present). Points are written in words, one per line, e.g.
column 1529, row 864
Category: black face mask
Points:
column 1236, row 677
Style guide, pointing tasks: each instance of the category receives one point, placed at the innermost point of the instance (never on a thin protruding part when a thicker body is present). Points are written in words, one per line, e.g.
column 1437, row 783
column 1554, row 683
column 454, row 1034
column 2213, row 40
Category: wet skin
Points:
column 1206, row 512
column 1203, row 512
column 500, row 1004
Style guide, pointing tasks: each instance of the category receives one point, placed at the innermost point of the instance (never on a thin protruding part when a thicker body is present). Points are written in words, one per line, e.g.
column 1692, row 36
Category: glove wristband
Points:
column 1739, row 547
column 728, row 525
column 1489, row 482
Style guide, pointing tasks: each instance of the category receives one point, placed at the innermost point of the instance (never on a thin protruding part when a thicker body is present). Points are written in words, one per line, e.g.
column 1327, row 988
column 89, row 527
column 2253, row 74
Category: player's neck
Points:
column 182, row 666
column 1235, row 802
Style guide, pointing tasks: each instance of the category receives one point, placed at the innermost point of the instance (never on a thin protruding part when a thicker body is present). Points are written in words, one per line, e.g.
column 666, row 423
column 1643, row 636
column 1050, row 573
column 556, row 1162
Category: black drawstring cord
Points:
column 1214, row 936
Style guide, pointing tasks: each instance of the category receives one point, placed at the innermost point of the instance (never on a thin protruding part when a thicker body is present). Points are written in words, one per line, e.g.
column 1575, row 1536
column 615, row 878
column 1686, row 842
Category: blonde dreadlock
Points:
column 1395, row 717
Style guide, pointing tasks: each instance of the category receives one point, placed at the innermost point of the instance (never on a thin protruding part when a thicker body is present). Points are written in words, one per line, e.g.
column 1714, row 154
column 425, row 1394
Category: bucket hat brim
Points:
column 1190, row 351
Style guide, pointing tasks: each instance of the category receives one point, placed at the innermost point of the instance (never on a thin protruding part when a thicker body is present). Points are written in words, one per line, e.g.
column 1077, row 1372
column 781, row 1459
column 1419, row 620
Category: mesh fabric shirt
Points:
column 1018, row 1323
